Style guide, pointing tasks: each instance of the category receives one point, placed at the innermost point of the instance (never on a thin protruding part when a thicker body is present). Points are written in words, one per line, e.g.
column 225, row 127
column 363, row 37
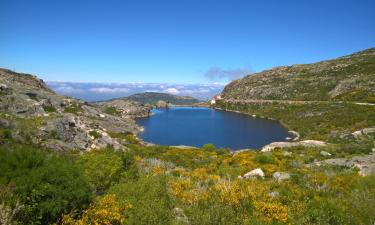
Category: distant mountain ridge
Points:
column 348, row 78
column 154, row 97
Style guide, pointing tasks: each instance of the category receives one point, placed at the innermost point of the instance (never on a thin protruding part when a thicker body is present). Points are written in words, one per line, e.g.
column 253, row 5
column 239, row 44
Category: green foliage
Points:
column 132, row 139
column 112, row 111
column 95, row 134
column 371, row 99
column 265, row 159
column 209, row 147
column 74, row 108
column 46, row 185
column 101, row 167
column 149, row 198
column 119, row 135
column 49, row 108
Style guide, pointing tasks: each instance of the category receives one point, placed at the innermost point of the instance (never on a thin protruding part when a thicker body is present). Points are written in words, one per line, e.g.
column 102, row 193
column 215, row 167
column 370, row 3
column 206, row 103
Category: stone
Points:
column 286, row 153
column 254, row 173
column 274, row 194
column 6, row 123
column 324, row 153
column 281, row 176
column 306, row 143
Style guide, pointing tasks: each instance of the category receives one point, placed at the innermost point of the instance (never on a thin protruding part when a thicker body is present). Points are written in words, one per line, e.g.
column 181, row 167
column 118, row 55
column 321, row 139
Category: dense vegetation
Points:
column 166, row 185
column 154, row 97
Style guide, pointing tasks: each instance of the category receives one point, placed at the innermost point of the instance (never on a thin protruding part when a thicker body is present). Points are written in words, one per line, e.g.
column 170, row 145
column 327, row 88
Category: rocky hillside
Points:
column 32, row 112
column 348, row 78
column 154, row 97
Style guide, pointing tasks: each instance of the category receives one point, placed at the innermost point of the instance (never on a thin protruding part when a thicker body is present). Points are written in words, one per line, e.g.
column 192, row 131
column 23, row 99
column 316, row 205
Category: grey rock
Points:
column 7, row 123
column 364, row 163
column 306, row 143
column 274, row 194
column 324, row 153
column 162, row 104
column 254, row 173
column 281, row 176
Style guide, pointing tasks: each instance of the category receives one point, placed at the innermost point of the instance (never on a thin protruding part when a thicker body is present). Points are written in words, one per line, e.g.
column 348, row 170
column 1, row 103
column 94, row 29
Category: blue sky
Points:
column 185, row 41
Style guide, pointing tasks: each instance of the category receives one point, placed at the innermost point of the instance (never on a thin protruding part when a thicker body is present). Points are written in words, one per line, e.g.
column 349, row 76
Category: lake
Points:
column 196, row 126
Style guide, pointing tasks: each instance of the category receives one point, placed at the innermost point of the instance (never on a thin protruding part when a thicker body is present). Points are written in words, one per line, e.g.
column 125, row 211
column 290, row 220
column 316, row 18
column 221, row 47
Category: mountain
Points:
column 348, row 78
column 34, row 113
column 154, row 97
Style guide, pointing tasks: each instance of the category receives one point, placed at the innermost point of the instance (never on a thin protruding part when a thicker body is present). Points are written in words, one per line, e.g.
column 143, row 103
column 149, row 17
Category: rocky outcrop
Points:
column 322, row 81
column 366, row 131
column 69, row 123
column 305, row 143
column 162, row 104
column 364, row 163
column 125, row 108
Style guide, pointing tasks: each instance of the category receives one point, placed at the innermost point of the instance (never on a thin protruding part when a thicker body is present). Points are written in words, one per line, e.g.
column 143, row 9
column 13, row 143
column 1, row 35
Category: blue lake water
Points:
column 198, row 126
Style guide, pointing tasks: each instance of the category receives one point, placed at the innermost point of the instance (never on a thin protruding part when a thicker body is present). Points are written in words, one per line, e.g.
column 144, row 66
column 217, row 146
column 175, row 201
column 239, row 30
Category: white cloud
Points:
column 68, row 89
column 173, row 91
column 109, row 90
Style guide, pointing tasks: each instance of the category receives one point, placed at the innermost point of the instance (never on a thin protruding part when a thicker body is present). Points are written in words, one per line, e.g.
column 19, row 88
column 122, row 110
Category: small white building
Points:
column 216, row 97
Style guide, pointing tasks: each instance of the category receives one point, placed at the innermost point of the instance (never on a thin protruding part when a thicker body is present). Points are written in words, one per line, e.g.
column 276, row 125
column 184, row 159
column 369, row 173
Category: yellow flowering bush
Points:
column 105, row 211
column 230, row 192
column 271, row 211
column 186, row 191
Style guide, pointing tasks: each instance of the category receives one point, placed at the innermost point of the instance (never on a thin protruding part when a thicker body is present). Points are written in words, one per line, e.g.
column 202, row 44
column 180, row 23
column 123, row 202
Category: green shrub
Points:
column 73, row 108
column 46, row 185
column 265, row 159
column 132, row 139
column 112, row 111
column 95, row 134
column 49, row 109
column 149, row 199
column 209, row 147
column 371, row 99
column 101, row 167
column 119, row 135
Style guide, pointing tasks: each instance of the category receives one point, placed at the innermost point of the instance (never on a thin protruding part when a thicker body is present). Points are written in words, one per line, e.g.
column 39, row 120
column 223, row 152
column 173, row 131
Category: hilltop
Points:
column 154, row 97
column 348, row 78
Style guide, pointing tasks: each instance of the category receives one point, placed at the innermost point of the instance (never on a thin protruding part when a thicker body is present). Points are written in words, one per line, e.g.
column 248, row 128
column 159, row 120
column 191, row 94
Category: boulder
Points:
column 280, row 176
column 324, row 153
column 274, row 194
column 6, row 123
column 254, row 173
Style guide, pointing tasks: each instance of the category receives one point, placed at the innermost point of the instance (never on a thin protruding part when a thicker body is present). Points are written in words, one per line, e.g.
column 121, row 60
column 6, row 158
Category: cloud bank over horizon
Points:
column 104, row 91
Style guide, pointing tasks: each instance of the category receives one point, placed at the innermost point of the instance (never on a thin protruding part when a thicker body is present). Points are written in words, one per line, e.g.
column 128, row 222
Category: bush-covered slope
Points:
column 348, row 78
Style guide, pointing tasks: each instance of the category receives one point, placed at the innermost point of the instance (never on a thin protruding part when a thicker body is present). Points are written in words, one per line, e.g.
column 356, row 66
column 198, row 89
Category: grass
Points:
column 112, row 111
column 73, row 108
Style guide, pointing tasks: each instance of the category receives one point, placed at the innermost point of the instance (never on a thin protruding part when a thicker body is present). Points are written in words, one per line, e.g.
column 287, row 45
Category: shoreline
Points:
column 296, row 135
